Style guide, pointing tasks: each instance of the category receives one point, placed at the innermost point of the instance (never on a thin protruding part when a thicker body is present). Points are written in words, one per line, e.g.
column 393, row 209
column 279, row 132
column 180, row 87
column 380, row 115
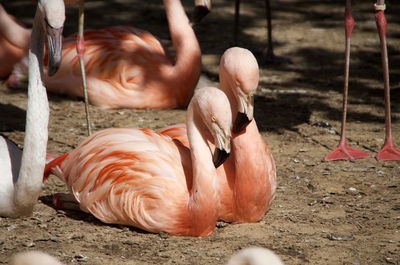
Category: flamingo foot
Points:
column 49, row 157
column 15, row 81
column 64, row 201
column 345, row 152
column 388, row 152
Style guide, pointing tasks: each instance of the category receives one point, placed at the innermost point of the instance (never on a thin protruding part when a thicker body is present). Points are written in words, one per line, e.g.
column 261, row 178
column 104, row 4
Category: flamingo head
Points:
column 53, row 17
column 239, row 75
column 214, row 108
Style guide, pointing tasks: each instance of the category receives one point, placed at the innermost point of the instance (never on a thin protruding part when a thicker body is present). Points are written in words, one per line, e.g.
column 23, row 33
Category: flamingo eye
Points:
column 213, row 119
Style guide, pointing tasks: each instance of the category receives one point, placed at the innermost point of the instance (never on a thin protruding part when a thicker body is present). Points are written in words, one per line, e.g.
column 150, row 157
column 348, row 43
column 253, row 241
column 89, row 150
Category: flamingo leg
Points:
column 388, row 151
column 343, row 151
column 236, row 22
column 270, row 57
column 80, row 48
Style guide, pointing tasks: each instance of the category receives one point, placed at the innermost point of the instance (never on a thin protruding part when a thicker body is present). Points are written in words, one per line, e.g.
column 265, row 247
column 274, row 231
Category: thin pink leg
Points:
column 80, row 48
column 388, row 151
column 343, row 151
column 236, row 22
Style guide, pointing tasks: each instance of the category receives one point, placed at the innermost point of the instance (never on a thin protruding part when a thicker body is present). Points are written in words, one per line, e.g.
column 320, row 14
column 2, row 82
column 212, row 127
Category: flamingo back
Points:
column 9, row 53
column 125, row 68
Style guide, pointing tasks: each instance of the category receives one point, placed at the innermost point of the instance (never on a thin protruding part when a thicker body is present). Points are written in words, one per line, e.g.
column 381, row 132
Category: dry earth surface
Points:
column 324, row 213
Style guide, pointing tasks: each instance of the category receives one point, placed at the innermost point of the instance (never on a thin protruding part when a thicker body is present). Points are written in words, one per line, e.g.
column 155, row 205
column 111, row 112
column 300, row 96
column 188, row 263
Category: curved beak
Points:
column 54, row 47
column 222, row 148
column 245, row 113
column 219, row 157
column 241, row 121
column 201, row 9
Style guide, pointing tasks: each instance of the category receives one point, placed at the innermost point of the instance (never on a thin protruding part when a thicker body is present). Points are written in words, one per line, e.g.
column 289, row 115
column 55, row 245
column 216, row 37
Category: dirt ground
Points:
column 324, row 213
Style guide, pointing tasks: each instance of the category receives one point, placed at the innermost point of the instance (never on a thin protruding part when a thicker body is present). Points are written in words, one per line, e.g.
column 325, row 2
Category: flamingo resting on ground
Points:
column 248, row 177
column 22, row 172
column 388, row 150
column 130, row 68
column 141, row 178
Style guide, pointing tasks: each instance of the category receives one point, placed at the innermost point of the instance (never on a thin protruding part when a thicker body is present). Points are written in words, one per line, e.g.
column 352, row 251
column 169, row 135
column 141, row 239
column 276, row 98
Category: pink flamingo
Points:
column 129, row 68
column 21, row 172
column 248, row 177
column 388, row 150
column 14, row 42
column 141, row 178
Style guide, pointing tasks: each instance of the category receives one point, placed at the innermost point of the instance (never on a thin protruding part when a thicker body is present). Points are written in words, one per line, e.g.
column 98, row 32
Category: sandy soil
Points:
column 324, row 213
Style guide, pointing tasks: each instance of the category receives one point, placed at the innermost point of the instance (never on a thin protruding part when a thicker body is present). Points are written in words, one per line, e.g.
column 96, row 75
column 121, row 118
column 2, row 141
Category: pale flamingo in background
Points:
column 247, row 256
column 141, row 178
column 14, row 42
column 248, row 177
column 255, row 256
column 388, row 150
column 33, row 258
column 130, row 68
column 21, row 172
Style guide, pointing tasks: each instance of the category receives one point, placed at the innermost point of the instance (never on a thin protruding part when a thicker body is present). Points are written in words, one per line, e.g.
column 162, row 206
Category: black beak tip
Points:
column 199, row 13
column 219, row 157
column 240, row 123
column 53, row 68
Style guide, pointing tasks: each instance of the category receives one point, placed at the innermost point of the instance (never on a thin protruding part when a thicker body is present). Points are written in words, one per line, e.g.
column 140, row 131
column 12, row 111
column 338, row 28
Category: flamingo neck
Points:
column 29, row 183
column 249, row 157
column 203, row 202
column 187, row 68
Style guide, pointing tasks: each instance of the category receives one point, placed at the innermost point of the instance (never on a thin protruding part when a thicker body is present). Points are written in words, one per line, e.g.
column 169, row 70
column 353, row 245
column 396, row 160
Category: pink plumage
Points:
column 128, row 67
column 142, row 178
column 248, row 177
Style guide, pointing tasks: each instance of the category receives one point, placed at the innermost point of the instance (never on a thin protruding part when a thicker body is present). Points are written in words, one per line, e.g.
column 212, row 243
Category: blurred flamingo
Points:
column 141, row 178
column 14, row 42
column 247, row 256
column 129, row 68
column 21, row 171
column 388, row 150
column 255, row 256
column 248, row 177
column 33, row 258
